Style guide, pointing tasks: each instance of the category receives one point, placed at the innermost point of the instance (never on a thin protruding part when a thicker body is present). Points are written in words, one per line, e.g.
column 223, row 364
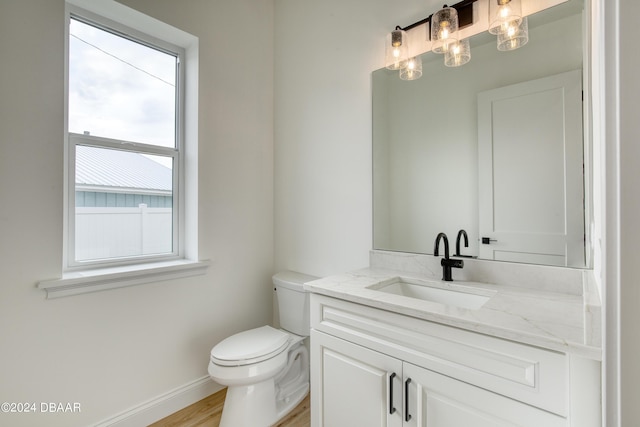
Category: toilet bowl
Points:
column 266, row 369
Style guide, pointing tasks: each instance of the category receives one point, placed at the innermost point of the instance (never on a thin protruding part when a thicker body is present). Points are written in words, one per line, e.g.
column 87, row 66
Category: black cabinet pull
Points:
column 407, row 417
column 391, row 408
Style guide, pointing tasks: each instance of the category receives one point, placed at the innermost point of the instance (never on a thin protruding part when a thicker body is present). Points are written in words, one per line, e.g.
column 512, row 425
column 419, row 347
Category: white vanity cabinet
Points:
column 371, row 367
column 441, row 401
column 356, row 386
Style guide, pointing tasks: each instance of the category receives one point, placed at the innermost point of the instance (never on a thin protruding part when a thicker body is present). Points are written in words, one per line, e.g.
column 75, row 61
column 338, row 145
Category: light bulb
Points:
column 515, row 37
column 502, row 13
column 413, row 70
column 444, row 29
column 459, row 54
column 396, row 49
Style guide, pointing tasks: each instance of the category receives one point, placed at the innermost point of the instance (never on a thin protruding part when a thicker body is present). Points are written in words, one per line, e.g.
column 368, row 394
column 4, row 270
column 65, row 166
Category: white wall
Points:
column 630, row 210
column 112, row 350
column 325, row 52
column 630, row 196
column 622, row 279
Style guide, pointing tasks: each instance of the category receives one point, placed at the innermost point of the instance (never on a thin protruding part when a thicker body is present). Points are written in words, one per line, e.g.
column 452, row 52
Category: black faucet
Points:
column 446, row 262
column 461, row 233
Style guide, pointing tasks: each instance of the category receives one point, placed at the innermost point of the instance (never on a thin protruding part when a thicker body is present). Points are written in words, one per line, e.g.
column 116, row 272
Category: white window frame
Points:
column 89, row 276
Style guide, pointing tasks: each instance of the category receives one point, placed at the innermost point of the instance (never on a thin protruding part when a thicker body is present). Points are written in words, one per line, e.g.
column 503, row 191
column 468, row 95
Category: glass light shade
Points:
column 515, row 37
column 396, row 50
column 444, row 29
column 459, row 53
column 413, row 70
column 502, row 14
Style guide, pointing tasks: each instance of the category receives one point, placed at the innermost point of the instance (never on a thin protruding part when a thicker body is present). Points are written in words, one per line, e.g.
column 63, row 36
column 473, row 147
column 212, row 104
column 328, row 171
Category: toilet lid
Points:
column 250, row 346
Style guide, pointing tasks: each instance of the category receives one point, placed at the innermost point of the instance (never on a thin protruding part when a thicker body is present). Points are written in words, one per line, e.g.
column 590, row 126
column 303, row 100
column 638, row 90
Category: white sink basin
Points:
column 424, row 291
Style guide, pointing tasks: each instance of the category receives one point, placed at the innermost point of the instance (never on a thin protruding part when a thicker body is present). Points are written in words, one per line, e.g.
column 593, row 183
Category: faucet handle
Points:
column 452, row 262
column 446, row 264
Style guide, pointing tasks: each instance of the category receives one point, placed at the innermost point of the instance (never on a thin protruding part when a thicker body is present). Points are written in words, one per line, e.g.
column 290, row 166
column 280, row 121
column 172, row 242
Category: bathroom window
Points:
column 131, row 117
column 124, row 147
column 131, row 151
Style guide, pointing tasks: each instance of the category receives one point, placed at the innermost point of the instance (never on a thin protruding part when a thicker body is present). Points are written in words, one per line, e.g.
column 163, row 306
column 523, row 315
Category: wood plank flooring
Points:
column 207, row 413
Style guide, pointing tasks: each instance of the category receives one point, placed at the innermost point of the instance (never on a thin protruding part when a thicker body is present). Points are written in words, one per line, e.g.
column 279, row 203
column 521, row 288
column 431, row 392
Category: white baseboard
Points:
column 164, row 405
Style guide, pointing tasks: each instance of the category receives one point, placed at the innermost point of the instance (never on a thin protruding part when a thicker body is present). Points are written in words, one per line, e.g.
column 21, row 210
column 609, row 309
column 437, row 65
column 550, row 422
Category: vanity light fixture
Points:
column 443, row 33
column 396, row 49
column 413, row 69
column 503, row 15
column 444, row 29
column 459, row 53
column 505, row 20
column 516, row 36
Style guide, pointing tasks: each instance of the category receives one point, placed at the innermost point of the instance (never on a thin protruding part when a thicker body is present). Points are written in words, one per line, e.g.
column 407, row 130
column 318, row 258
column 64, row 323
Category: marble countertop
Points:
column 551, row 320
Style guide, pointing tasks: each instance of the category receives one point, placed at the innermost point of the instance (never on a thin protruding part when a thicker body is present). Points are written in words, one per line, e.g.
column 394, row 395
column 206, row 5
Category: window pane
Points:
column 124, row 204
column 119, row 88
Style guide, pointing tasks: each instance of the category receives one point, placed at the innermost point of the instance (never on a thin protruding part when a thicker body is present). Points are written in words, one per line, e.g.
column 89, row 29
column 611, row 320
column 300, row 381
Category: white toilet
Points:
column 266, row 369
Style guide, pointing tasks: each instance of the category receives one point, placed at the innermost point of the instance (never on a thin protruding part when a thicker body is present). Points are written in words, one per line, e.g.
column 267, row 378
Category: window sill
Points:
column 81, row 282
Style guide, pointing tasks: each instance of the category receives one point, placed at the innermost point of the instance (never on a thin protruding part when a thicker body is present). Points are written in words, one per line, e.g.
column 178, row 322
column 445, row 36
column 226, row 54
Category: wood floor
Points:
column 207, row 413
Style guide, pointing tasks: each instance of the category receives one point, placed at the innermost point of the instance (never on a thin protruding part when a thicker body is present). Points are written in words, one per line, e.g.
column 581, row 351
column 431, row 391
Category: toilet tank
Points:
column 293, row 301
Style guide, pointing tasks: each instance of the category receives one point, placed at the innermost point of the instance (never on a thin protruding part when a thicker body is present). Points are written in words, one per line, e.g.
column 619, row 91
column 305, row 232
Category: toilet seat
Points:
column 249, row 347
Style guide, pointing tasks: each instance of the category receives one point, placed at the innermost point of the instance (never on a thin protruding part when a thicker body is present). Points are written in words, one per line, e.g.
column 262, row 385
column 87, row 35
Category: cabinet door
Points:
column 435, row 400
column 352, row 385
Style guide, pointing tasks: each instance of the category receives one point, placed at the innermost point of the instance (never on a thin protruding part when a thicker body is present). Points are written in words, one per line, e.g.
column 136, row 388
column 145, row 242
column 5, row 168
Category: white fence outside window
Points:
column 107, row 232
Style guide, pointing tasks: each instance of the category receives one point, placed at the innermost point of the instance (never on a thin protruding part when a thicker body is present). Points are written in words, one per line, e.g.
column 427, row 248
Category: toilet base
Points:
column 250, row 406
column 254, row 406
column 264, row 403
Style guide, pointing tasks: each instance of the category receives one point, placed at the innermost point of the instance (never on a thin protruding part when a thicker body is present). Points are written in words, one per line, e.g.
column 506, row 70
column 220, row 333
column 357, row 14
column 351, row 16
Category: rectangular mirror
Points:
column 494, row 147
